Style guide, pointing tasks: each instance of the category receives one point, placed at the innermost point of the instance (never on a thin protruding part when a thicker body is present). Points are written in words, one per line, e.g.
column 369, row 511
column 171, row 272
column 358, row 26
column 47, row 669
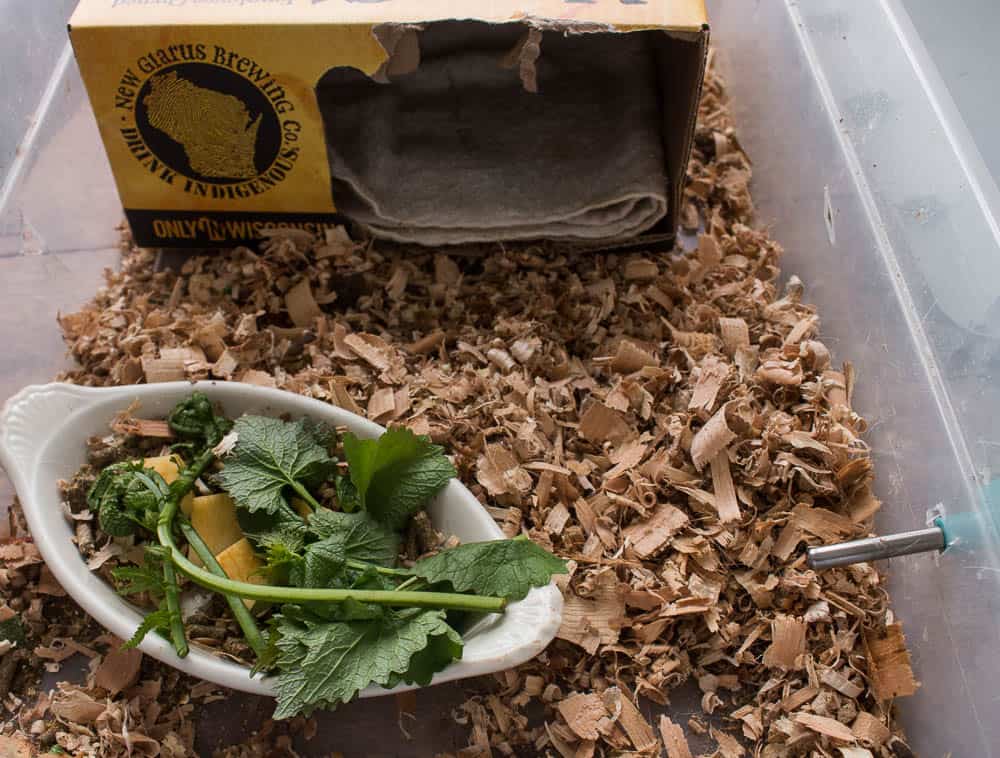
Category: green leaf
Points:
column 148, row 578
column 322, row 664
column 322, row 434
column 126, row 495
column 344, row 537
column 282, row 527
column 280, row 563
column 158, row 620
column 271, row 455
column 138, row 579
column 321, row 566
column 347, row 494
column 195, row 421
column 503, row 568
column 267, row 660
column 352, row 610
column 348, row 579
column 357, row 535
column 441, row 650
column 396, row 474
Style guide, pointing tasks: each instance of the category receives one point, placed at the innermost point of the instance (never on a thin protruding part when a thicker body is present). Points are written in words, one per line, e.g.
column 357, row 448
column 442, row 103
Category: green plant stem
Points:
column 240, row 612
column 172, row 596
column 273, row 594
column 364, row 565
column 409, row 583
column 172, row 591
column 304, row 494
column 224, row 585
column 185, row 481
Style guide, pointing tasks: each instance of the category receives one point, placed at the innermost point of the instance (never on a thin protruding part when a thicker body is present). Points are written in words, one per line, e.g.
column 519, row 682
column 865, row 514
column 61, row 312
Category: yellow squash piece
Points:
column 166, row 466
column 240, row 563
column 214, row 518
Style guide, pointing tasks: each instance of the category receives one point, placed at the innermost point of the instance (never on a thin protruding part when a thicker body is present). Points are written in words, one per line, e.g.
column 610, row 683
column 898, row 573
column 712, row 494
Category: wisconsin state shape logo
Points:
column 208, row 121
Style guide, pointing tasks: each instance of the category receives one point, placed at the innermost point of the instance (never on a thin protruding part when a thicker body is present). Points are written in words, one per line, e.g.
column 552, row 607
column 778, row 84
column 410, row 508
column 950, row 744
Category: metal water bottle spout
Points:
column 876, row 548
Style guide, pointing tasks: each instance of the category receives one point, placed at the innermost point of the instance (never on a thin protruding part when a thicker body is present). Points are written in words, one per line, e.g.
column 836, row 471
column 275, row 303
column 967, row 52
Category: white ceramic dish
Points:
column 43, row 434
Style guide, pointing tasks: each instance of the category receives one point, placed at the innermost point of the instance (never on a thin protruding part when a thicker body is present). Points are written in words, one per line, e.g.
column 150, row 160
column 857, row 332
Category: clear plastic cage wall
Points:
column 868, row 178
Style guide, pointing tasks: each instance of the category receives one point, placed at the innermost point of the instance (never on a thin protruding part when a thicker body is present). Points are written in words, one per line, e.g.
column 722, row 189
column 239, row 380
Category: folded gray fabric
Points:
column 458, row 151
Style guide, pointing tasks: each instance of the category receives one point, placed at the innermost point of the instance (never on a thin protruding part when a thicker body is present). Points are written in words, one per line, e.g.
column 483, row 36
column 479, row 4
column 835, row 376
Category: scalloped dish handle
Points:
column 36, row 407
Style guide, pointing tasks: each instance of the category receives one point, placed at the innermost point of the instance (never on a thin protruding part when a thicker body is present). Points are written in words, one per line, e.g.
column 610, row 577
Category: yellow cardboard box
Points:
column 209, row 114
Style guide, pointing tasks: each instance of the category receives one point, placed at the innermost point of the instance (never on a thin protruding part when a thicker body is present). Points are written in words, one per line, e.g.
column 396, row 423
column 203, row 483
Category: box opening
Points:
column 461, row 149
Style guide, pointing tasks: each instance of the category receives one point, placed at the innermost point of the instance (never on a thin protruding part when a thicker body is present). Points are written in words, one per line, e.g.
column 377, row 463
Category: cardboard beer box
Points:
column 425, row 121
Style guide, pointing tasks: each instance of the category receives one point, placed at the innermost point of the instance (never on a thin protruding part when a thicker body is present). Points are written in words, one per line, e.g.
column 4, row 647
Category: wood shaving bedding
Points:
column 127, row 704
column 671, row 423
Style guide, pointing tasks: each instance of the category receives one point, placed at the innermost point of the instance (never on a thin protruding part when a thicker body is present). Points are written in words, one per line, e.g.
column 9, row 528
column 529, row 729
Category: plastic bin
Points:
column 868, row 177
column 887, row 213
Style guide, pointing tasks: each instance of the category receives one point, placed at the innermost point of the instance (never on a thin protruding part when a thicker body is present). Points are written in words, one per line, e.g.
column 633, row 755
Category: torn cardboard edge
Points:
column 679, row 16
column 401, row 43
